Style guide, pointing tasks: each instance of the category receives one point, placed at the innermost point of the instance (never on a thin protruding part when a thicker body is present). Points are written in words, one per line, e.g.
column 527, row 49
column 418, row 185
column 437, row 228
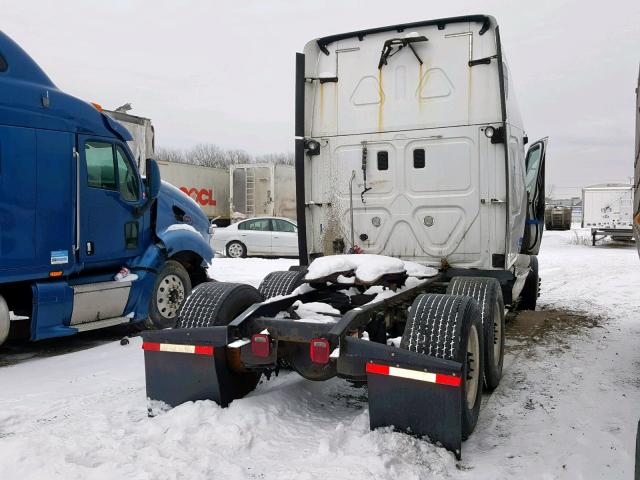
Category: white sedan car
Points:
column 264, row 236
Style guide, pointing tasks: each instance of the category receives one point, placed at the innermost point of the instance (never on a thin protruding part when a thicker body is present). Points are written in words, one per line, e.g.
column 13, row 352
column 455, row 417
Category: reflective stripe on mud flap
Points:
column 413, row 374
column 176, row 348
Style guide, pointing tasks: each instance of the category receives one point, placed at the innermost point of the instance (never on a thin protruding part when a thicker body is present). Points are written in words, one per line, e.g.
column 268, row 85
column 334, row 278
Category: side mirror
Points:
column 153, row 178
column 153, row 182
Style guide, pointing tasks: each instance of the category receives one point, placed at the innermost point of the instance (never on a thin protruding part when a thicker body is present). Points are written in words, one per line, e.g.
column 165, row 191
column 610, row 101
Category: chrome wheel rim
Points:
column 497, row 334
column 235, row 250
column 169, row 296
column 473, row 366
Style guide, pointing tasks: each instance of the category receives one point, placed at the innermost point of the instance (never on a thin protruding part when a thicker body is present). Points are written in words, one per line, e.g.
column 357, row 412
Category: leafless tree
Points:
column 169, row 155
column 211, row 155
column 284, row 158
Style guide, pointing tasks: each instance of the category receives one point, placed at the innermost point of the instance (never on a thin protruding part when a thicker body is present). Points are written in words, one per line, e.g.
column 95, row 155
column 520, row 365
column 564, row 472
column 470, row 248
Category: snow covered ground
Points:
column 567, row 407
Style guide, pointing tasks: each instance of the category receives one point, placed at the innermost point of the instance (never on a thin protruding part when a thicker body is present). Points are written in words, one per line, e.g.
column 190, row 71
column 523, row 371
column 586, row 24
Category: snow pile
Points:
column 566, row 408
column 420, row 271
column 381, row 292
column 316, row 311
column 248, row 270
column 366, row 267
column 182, row 226
column 83, row 416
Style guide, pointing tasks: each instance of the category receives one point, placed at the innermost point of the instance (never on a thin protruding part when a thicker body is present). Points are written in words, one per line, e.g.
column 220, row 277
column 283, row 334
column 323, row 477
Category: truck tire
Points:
column 531, row 290
column 5, row 320
column 281, row 283
column 488, row 294
column 170, row 290
column 236, row 249
column 217, row 303
column 449, row 327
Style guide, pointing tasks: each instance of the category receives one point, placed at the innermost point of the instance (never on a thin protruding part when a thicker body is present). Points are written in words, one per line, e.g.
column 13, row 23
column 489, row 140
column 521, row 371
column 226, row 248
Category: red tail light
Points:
column 260, row 345
column 319, row 350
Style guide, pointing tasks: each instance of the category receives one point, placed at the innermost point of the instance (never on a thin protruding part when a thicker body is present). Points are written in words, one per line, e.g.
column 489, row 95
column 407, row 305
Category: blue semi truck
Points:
column 74, row 212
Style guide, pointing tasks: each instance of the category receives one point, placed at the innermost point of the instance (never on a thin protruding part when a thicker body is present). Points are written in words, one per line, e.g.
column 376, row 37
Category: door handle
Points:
column 275, row 236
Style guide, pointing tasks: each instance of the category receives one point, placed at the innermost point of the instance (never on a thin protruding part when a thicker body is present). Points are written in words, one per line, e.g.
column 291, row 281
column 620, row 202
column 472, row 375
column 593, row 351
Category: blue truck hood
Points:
column 176, row 210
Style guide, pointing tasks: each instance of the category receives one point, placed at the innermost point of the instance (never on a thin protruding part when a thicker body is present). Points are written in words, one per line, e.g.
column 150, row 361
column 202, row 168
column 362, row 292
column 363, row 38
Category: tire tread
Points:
column 280, row 283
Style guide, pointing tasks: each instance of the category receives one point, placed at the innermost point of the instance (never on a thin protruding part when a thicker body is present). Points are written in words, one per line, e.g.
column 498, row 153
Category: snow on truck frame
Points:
column 409, row 148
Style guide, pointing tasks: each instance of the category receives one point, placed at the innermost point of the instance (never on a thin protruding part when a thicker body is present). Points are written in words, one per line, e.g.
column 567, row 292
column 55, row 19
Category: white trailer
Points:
column 262, row 189
column 143, row 133
column 208, row 186
column 608, row 210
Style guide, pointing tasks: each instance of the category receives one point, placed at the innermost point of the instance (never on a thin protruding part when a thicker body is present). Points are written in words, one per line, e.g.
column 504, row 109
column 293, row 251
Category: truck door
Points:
column 17, row 198
column 256, row 235
column 534, row 184
column 110, row 230
column 284, row 240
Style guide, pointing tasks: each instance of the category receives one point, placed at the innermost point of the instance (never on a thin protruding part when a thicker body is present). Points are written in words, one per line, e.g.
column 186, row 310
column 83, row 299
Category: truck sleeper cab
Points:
column 74, row 211
column 409, row 150
column 411, row 145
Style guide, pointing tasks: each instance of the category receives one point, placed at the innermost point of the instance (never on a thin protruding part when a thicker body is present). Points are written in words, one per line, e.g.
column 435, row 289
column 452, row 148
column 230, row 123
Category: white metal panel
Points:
column 263, row 189
column 517, row 194
column 607, row 207
column 284, row 198
column 430, row 213
column 99, row 301
column 141, row 129
column 473, row 198
column 403, row 94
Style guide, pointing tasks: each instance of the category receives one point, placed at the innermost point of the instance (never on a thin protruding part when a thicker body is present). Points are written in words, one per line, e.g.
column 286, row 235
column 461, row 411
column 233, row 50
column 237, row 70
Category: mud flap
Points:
column 414, row 393
column 183, row 365
column 416, row 406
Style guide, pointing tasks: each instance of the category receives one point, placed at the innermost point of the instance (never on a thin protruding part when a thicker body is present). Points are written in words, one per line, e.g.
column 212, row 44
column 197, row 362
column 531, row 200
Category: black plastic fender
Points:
column 414, row 393
column 183, row 365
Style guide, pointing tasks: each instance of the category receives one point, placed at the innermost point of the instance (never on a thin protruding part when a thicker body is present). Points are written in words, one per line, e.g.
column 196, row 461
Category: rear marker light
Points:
column 437, row 378
column 260, row 345
column 319, row 350
column 175, row 348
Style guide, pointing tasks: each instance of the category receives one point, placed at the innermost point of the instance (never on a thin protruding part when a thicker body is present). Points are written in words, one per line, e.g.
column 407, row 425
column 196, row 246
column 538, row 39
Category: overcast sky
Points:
column 223, row 72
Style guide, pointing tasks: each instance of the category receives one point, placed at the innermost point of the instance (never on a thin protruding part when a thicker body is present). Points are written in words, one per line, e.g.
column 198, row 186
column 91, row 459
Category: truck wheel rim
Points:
column 235, row 250
column 473, row 366
column 170, row 296
column 497, row 334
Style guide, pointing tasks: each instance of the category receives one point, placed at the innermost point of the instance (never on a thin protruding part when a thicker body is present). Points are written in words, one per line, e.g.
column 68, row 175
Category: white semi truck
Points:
column 607, row 209
column 409, row 148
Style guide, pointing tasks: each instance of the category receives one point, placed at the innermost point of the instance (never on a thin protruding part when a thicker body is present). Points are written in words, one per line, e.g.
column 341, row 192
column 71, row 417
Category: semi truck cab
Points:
column 85, row 241
column 410, row 144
